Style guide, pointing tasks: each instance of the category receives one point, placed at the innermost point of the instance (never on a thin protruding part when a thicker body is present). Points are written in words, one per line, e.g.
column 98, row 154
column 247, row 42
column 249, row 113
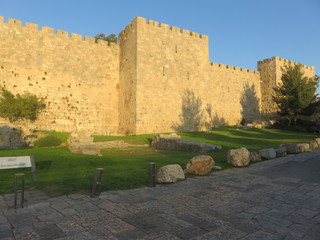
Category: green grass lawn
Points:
column 61, row 172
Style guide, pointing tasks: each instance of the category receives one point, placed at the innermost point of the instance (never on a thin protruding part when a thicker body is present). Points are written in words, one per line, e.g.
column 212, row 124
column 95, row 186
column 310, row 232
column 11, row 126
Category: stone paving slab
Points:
column 275, row 199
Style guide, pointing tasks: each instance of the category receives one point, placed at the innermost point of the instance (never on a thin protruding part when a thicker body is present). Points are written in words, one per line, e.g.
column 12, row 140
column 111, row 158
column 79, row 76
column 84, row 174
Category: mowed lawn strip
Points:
column 61, row 172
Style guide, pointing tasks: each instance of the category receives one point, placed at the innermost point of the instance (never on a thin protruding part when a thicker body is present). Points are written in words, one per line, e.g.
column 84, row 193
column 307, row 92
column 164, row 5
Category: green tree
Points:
column 26, row 106
column 109, row 38
column 295, row 93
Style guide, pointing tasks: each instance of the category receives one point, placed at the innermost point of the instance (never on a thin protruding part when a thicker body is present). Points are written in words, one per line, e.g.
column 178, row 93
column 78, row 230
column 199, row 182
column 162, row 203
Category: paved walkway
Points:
column 276, row 199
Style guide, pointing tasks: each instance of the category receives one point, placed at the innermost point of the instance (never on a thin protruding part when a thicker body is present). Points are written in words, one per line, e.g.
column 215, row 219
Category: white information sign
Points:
column 15, row 162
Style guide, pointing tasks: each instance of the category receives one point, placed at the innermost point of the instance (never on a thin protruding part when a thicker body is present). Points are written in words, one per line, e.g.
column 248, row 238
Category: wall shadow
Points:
column 250, row 104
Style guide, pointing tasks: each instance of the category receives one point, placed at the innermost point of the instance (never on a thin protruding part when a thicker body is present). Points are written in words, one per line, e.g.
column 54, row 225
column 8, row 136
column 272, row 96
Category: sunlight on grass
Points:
column 61, row 172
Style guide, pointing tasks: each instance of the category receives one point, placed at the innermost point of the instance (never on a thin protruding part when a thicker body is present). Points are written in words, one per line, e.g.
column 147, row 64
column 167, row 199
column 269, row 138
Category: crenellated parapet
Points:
column 229, row 67
column 284, row 61
column 163, row 27
column 50, row 32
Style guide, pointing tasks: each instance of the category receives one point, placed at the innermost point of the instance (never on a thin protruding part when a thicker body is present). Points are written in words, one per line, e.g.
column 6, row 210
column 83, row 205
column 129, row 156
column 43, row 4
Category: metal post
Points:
column 16, row 179
column 152, row 174
column 97, row 182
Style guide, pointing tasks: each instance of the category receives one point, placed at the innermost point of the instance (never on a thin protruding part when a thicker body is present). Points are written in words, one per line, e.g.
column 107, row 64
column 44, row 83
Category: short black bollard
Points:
column 16, row 186
column 97, row 182
column 152, row 174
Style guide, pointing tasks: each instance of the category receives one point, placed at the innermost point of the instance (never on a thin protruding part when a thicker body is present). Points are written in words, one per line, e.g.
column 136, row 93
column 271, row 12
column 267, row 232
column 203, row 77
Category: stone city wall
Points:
column 157, row 79
column 174, row 77
column 77, row 77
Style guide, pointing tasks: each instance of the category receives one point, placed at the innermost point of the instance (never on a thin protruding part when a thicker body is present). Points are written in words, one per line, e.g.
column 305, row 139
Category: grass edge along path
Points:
column 61, row 172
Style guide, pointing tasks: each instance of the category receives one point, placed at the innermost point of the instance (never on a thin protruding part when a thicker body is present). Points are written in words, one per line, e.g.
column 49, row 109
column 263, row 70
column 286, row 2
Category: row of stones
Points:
column 242, row 157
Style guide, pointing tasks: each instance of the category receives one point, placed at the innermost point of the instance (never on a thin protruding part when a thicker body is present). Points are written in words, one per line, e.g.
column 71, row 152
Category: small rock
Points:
column 303, row 147
column 268, row 153
column 255, row 157
column 217, row 167
column 169, row 174
column 239, row 157
column 200, row 165
column 313, row 145
column 281, row 152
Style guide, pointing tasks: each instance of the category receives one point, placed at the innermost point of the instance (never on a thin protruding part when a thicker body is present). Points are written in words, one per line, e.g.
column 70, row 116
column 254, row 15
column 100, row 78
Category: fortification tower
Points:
column 158, row 63
column 271, row 72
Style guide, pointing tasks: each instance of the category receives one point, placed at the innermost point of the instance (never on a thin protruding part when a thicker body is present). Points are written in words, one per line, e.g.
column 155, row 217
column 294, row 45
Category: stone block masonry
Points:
column 157, row 79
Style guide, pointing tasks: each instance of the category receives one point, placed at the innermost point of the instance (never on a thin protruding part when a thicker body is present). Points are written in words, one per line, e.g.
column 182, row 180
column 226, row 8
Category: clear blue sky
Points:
column 241, row 32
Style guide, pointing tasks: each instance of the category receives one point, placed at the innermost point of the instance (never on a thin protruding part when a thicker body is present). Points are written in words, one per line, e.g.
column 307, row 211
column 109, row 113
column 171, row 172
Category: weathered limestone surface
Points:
column 313, row 145
column 82, row 142
column 303, row 147
column 268, row 153
column 169, row 174
column 200, row 165
column 291, row 148
column 11, row 138
column 255, row 157
column 176, row 143
column 281, row 152
column 239, row 157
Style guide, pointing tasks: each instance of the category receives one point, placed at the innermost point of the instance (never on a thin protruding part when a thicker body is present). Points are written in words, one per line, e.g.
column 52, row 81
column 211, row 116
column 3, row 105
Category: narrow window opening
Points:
column 188, row 75
column 163, row 71
column 176, row 48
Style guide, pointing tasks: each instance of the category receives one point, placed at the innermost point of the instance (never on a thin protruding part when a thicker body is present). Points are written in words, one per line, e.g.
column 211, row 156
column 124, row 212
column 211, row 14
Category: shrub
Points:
column 14, row 107
column 243, row 122
column 48, row 141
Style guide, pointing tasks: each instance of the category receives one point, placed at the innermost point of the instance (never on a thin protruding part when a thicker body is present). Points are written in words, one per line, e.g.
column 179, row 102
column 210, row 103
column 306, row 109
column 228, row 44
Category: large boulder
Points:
column 169, row 174
column 200, row 165
column 291, row 148
column 239, row 157
column 268, row 153
column 82, row 142
column 303, row 147
column 255, row 157
column 313, row 145
column 317, row 140
column 11, row 138
column 281, row 152
column 176, row 143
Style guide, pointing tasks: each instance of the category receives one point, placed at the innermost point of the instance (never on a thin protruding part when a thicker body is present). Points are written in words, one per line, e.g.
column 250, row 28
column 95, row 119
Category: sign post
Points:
column 16, row 186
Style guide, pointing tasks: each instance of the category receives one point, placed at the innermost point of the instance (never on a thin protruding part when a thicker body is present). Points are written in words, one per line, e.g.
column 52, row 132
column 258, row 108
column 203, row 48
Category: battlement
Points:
column 162, row 26
column 286, row 61
column 14, row 23
column 223, row 66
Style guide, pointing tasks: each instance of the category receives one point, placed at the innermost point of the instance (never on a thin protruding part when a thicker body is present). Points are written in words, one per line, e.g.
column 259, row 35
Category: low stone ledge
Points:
column 174, row 142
